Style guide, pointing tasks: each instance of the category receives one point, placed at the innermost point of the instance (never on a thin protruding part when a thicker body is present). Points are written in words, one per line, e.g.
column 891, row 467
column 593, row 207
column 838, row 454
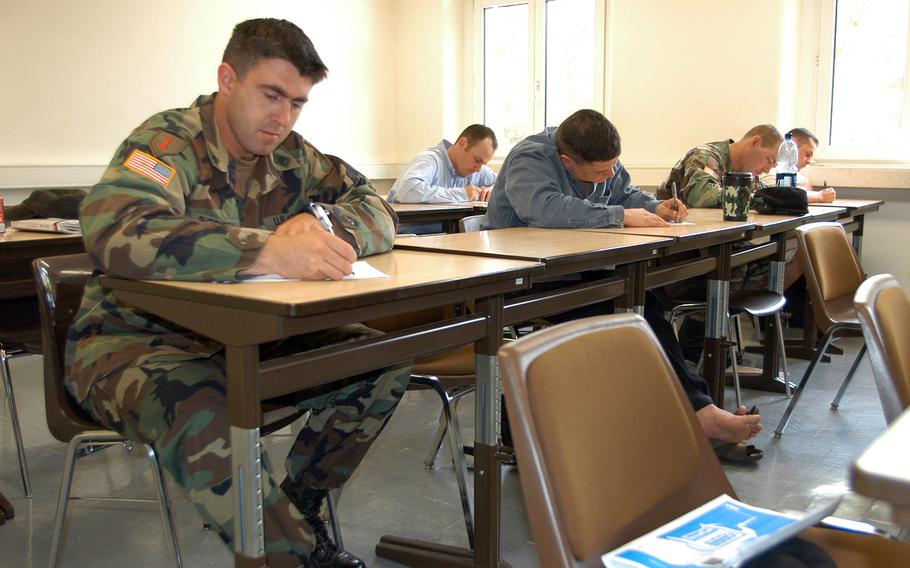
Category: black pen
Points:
column 675, row 204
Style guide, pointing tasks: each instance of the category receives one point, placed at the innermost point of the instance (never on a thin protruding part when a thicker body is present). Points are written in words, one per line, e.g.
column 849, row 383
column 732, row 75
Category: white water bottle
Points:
column 787, row 159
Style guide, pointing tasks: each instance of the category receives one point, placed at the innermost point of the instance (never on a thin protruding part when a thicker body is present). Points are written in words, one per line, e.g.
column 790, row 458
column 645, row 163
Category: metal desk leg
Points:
column 487, row 474
column 772, row 352
column 715, row 336
column 487, row 478
column 244, row 410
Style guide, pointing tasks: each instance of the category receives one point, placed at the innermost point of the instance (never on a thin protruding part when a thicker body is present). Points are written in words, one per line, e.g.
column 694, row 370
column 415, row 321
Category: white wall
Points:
column 81, row 74
column 78, row 76
column 685, row 73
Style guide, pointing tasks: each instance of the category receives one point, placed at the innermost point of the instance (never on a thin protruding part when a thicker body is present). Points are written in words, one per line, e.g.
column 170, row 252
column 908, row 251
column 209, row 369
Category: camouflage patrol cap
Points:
column 62, row 203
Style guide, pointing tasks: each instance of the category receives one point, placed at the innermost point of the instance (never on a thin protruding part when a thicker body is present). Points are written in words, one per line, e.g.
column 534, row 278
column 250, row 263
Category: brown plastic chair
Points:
column 883, row 309
column 61, row 281
column 20, row 334
column 587, row 482
column 833, row 274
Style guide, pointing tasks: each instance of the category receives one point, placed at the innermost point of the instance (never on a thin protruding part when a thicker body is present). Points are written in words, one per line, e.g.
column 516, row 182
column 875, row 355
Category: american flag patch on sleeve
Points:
column 150, row 167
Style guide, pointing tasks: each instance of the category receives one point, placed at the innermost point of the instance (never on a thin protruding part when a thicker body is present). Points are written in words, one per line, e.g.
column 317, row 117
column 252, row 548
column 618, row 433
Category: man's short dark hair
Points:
column 587, row 136
column 478, row 133
column 769, row 134
column 803, row 134
column 265, row 38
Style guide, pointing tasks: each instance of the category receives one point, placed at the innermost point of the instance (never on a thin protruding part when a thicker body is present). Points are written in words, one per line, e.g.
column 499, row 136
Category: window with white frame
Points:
column 541, row 60
column 865, row 102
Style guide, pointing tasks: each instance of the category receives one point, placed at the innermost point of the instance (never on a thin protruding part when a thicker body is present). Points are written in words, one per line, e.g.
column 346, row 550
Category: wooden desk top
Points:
column 854, row 205
column 552, row 246
column 12, row 237
column 882, row 471
column 708, row 223
column 410, row 274
column 770, row 224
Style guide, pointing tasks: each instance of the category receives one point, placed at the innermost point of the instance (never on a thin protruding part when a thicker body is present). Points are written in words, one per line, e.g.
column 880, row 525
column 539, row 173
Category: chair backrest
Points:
column 832, row 270
column 883, row 309
column 470, row 223
column 60, row 281
column 607, row 443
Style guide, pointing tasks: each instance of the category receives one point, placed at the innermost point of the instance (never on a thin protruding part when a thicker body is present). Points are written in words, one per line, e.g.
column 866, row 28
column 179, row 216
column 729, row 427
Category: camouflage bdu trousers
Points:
column 180, row 406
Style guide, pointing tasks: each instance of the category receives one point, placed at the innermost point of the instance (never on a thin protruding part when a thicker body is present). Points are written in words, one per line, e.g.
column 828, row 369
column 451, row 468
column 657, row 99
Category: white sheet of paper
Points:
column 681, row 223
column 362, row 270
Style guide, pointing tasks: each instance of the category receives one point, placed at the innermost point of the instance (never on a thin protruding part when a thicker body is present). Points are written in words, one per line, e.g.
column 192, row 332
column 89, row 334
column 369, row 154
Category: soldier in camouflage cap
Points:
column 698, row 175
column 214, row 192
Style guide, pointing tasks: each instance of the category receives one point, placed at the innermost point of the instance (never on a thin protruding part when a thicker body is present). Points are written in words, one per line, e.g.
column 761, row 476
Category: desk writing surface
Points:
column 854, row 205
column 13, row 238
column 409, row 272
column 542, row 245
column 779, row 223
column 707, row 223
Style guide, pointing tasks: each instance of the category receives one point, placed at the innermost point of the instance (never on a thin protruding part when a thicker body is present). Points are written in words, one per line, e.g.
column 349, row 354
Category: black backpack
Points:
column 776, row 200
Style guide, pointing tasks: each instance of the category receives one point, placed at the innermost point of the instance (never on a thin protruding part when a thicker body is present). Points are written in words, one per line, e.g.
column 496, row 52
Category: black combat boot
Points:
column 309, row 503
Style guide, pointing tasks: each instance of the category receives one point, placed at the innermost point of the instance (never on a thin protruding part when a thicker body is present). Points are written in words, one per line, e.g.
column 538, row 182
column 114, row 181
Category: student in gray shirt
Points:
column 570, row 177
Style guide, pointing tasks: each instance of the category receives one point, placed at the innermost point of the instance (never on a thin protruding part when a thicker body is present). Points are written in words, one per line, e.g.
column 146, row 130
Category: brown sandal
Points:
column 738, row 453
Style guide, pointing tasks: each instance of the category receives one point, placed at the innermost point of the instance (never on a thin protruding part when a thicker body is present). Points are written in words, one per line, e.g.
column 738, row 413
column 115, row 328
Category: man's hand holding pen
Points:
column 673, row 210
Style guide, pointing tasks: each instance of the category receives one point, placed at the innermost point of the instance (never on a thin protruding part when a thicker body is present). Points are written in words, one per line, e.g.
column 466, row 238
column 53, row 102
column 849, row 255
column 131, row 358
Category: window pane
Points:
column 870, row 60
column 570, row 58
column 506, row 90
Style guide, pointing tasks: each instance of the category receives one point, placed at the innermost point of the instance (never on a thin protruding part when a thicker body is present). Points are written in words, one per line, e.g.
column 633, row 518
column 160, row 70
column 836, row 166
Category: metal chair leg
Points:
column 330, row 499
column 433, row 451
column 455, row 397
column 455, row 448
column 819, row 353
column 843, row 387
column 66, row 483
column 167, row 516
column 781, row 345
column 732, row 351
column 14, row 418
column 738, row 327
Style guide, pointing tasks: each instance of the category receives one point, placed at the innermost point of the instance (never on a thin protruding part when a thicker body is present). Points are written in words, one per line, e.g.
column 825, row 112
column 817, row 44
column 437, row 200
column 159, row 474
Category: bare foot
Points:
column 722, row 425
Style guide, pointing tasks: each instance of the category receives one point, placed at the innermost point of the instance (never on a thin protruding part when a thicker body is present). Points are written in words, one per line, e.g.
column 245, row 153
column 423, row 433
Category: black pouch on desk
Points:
column 775, row 200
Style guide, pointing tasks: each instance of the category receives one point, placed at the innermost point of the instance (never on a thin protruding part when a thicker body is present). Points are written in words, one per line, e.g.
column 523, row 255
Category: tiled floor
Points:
column 392, row 493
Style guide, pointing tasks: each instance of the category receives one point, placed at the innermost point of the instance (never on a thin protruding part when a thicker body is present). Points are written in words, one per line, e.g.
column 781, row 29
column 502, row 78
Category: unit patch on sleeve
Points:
column 150, row 167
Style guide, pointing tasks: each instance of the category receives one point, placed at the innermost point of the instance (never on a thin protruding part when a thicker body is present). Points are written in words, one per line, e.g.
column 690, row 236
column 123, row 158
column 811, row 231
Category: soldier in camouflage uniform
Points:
column 698, row 175
column 213, row 192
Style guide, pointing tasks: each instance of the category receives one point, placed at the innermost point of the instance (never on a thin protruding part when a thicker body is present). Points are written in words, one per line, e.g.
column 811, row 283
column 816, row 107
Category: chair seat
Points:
column 842, row 310
column 858, row 550
column 459, row 361
column 756, row 302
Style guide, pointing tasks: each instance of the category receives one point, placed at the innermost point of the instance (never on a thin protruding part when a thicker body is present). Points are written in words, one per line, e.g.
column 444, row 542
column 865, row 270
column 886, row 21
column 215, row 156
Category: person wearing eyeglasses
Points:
column 698, row 175
column 807, row 145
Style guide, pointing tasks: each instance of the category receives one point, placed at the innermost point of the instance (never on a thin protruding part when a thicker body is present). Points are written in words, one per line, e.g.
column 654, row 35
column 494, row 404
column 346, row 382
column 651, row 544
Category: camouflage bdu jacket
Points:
column 699, row 174
column 174, row 205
